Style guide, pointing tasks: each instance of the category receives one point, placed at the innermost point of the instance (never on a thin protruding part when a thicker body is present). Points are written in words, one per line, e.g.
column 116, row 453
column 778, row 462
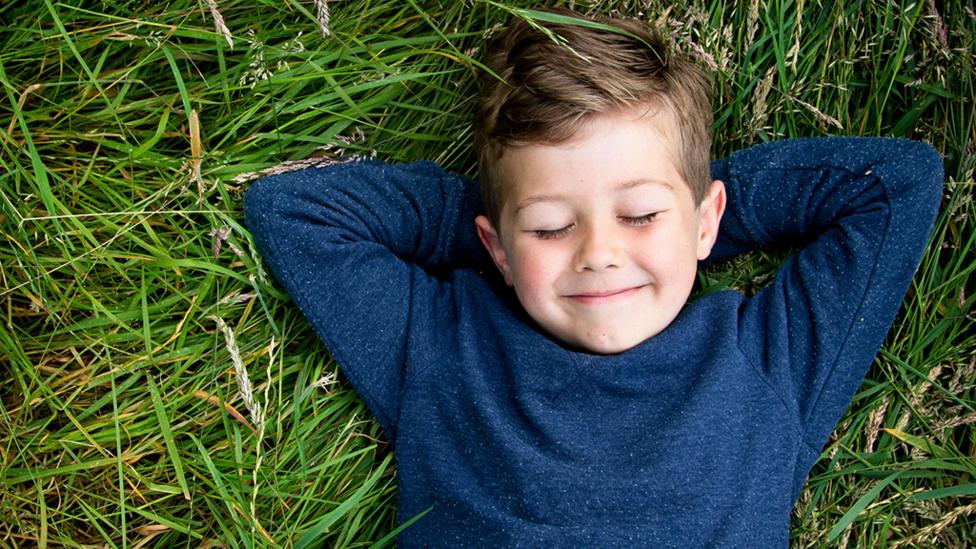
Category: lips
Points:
column 604, row 296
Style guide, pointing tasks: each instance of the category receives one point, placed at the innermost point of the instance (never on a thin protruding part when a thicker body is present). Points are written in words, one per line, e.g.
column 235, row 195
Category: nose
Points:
column 599, row 249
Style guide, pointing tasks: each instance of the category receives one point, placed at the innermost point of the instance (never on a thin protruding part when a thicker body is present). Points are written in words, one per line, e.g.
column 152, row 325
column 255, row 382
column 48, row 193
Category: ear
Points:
column 709, row 217
column 489, row 237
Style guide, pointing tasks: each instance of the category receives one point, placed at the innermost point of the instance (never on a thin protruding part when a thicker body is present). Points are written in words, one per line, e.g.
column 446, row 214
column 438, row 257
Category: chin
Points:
column 605, row 345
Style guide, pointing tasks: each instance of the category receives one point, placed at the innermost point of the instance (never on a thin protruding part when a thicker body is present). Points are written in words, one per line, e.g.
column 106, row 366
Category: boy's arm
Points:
column 863, row 209
column 364, row 249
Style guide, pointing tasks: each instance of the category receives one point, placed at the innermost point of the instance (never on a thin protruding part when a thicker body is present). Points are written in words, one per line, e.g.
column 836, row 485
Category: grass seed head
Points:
column 240, row 372
column 219, row 23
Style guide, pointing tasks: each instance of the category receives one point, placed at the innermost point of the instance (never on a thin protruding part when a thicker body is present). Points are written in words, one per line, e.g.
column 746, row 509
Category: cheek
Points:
column 670, row 254
column 685, row 262
column 536, row 268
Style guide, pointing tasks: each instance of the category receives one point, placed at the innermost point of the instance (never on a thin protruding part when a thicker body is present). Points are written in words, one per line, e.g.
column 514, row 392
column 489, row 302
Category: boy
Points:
column 580, row 400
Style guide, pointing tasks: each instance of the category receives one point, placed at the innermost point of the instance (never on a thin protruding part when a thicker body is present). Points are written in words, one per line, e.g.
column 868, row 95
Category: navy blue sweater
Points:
column 701, row 435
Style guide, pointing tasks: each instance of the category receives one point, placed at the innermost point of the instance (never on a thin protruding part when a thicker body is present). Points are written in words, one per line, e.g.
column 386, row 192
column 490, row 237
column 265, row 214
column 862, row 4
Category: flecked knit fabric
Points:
column 700, row 436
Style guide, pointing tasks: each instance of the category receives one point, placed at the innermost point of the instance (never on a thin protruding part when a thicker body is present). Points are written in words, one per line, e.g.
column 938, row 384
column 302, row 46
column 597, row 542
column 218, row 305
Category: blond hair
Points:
column 555, row 75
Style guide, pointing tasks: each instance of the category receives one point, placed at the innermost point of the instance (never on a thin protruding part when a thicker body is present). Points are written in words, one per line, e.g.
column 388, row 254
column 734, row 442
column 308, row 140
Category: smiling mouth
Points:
column 604, row 296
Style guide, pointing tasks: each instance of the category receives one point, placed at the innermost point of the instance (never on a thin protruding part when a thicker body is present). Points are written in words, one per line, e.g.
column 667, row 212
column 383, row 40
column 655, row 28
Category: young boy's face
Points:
column 600, row 236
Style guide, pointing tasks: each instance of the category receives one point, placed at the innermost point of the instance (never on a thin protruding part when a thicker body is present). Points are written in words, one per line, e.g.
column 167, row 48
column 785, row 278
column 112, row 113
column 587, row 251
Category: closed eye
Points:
column 639, row 220
column 550, row 234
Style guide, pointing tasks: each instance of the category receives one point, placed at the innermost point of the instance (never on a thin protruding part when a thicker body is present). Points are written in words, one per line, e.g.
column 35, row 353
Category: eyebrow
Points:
column 630, row 184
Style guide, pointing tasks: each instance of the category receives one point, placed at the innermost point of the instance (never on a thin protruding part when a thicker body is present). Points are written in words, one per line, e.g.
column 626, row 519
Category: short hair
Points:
column 553, row 76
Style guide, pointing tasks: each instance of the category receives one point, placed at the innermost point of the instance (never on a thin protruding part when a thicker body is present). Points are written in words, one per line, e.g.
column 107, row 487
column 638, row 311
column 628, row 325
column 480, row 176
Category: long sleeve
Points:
column 366, row 250
column 862, row 210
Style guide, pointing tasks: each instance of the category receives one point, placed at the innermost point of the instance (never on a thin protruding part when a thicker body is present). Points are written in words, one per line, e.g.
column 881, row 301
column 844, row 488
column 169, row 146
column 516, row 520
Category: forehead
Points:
column 609, row 153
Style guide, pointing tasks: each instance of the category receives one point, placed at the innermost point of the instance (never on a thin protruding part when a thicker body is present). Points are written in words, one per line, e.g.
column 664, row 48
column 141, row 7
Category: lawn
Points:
column 158, row 389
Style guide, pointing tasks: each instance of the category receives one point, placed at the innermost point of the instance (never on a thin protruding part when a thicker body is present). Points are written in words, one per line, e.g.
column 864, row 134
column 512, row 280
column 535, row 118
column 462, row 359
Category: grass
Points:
column 134, row 303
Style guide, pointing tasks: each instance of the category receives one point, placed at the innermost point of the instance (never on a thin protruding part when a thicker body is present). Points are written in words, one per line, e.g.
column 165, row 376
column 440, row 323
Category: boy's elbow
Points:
column 928, row 163
column 914, row 171
column 920, row 162
column 930, row 174
column 262, row 205
column 254, row 198
column 917, row 177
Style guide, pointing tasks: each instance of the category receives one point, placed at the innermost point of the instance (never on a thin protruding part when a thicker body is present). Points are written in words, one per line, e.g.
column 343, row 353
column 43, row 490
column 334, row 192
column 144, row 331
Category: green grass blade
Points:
column 167, row 433
column 859, row 506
